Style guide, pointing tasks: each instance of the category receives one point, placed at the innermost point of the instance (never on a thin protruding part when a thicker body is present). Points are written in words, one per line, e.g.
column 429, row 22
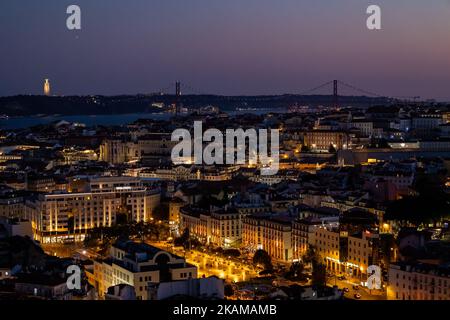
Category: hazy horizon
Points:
column 259, row 47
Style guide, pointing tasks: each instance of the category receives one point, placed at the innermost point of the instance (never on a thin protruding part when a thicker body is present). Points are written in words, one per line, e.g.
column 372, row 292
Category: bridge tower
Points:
column 335, row 94
column 177, row 97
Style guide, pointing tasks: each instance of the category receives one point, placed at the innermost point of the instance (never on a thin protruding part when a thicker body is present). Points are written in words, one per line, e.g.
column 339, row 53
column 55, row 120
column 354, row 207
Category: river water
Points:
column 107, row 120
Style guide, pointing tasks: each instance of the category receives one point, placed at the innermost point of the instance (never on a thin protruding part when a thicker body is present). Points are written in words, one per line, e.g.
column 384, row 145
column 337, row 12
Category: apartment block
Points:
column 418, row 281
column 138, row 265
column 68, row 216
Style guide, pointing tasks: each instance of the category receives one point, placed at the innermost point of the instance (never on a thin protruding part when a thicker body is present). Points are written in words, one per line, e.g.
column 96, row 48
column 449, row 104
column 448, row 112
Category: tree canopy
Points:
column 262, row 257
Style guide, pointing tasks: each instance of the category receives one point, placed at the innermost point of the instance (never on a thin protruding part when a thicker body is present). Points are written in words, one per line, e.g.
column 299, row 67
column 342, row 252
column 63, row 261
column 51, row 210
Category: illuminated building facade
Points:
column 418, row 281
column 197, row 221
column 271, row 233
column 226, row 227
column 68, row 216
column 138, row 265
column 117, row 150
column 323, row 139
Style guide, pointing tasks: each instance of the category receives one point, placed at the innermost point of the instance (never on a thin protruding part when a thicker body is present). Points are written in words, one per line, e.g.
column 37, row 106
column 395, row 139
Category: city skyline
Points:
column 255, row 48
column 214, row 158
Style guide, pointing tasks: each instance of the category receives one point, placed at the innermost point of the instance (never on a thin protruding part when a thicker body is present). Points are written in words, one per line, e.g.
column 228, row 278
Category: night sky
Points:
column 225, row 47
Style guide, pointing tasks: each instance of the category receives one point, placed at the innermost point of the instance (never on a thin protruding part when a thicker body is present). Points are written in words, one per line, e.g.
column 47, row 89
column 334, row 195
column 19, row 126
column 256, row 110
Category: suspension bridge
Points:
column 339, row 91
column 335, row 88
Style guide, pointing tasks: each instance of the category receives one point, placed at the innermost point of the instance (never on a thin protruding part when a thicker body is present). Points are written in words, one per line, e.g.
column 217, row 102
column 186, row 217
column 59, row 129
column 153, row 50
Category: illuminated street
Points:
column 364, row 292
column 229, row 159
column 213, row 265
column 62, row 251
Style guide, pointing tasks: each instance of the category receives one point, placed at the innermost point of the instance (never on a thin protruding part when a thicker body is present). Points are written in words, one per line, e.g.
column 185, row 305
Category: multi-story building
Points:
column 176, row 173
column 251, row 232
column 271, row 233
column 72, row 155
column 362, row 251
column 117, row 150
column 418, row 281
column 12, row 205
column 9, row 157
column 186, row 172
column 427, row 121
column 276, row 237
column 197, row 221
column 286, row 238
column 281, row 175
column 343, row 204
column 175, row 205
column 402, row 181
column 343, row 253
column 138, row 265
column 50, row 287
column 219, row 226
column 15, row 227
column 364, row 126
column 251, row 208
column 68, row 216
column 326, row 240
column 41, row 184
column 211, row 288
column 225, row 227
column 304, row 232
column 323, row 139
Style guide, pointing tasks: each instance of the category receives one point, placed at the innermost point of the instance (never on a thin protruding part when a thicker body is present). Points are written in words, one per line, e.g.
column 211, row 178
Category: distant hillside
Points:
column 25, row 105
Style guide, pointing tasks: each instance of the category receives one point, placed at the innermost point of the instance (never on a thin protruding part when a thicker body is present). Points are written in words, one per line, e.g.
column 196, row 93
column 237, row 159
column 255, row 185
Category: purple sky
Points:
column 225, row 47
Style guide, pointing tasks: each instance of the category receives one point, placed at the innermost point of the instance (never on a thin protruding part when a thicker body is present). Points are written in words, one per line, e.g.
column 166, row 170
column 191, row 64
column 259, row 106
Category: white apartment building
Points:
column 197, row 221
column 342, row 253
column 221, row 228
column 226, row 227
column 68, row 216
column 139, row 265
column 365, row 127
column 360, row 252
column 304, row 232
column 418, row 281
column 326, row 240
column 271, row 233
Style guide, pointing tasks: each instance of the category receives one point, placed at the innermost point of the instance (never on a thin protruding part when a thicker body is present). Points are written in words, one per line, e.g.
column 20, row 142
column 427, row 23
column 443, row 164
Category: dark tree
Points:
column 183, row 240
column 231, row 252
column 71, row 224
column 121, row 218
column 161, row 212
column 228, row 290
column 319, row 275
column 331, row 149
column 311, row 255
column 296, row 271
column 262, row 257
